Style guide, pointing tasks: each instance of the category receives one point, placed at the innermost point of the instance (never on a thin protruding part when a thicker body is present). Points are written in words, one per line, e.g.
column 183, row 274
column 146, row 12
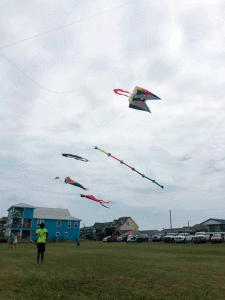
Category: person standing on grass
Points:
column 42, row 234
column 11, row 241
column 15, row 241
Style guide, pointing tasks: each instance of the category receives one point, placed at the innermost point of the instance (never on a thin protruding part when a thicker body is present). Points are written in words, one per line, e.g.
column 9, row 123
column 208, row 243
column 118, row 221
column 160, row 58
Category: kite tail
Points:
column 121, row 92
column 105, row 206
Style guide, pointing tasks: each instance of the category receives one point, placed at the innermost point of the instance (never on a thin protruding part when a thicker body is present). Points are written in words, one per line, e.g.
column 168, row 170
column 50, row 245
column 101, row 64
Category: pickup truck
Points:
column 183, row 238
column 170, row 238
column 201, row 237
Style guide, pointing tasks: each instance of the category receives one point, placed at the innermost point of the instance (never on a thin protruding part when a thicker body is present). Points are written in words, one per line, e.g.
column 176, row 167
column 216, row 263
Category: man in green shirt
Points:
column 42, row 234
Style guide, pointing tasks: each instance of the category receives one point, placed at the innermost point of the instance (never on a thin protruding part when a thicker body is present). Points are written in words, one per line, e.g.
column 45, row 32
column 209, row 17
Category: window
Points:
column 69, row 224
column 75, row 224
column 39, row 222
column 57, row 233
column 66, row 233
column 58, row 223
column 127, row 223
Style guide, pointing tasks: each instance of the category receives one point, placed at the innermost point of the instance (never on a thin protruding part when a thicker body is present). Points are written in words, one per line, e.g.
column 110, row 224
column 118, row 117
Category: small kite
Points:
column 138, row 98
column 94, row 199
column 68, row 180
column 75, row 157
column 133, row 169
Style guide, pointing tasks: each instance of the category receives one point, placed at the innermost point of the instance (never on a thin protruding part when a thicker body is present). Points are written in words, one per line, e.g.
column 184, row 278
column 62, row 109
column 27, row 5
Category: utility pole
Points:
column 188, row 227
column 171, row 222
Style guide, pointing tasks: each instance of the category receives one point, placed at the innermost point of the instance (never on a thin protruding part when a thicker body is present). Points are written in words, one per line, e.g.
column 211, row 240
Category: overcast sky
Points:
column 175, row 49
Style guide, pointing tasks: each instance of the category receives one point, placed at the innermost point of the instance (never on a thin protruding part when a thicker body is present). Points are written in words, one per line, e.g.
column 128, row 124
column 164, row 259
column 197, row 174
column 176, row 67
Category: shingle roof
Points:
column 22, row 205
column 101, row 226
column 53, row 214
column 119, row 222
column 86, row 228
column 218, row 220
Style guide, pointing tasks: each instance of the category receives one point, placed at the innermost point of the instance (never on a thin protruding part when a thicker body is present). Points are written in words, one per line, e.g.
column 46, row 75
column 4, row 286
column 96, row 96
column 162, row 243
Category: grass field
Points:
column 98, row 270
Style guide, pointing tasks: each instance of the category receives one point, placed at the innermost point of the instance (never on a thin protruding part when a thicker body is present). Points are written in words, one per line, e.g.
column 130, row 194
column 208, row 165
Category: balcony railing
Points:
column 18, row 225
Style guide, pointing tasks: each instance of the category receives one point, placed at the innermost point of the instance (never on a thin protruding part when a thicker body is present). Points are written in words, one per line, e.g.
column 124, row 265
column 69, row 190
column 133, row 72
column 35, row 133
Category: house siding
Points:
column 24, row 225
column 132, row 225
column 51, row 226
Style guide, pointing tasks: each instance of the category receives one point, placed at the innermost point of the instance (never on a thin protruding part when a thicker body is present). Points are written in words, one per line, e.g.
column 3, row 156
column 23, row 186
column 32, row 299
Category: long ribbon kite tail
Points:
column 152, row 180
column 133, row 169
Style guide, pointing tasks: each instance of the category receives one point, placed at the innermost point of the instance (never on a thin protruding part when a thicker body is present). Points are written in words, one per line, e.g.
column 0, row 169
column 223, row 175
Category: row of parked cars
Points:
column 127, row 238
column 199, row 237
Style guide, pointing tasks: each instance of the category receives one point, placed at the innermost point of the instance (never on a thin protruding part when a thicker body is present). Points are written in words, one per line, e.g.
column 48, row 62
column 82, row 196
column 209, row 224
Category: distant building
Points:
column 23, row 220
column 177, row 230
column 123, row 225
column 149, row 233
column 100, row 230
column 86, row 233
column 214, row 225
column 3, row 221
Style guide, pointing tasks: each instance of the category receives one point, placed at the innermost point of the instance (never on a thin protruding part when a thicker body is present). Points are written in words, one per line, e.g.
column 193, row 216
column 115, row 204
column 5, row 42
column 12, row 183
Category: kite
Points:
column 138, row 98
column 133, row 169
column 94, row 199
column 68, row 180
column 75, row 157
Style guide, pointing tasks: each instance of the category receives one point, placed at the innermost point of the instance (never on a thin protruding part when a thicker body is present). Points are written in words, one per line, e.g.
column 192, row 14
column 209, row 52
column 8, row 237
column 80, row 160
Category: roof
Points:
column 101, row 226
column 130, row 232
column 86, row 228
column 119, row 222
column 217, row 220
column 22, row 205
column 46, row 213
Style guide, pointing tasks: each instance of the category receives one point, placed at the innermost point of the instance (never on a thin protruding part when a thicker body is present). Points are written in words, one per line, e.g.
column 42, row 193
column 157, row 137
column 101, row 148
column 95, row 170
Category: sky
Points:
column 61, row 60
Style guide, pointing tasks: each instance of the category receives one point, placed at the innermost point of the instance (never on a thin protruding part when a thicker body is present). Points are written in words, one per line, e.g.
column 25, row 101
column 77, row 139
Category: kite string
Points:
column 33, row 79
column 87, row 18
column 37, row 57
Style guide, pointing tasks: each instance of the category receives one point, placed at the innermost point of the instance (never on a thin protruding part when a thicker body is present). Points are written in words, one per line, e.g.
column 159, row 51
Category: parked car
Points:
column 122, row 238
column 170, row 238
column 112, row 238
column 142, row 238
column 158, row 238
column 105, row 238
column 201, row 237
column 217, row 238
column 131, row 239
column 183, row 238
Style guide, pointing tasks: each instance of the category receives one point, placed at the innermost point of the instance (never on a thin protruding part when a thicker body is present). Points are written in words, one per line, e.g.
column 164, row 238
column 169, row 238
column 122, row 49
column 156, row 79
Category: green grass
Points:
column 110, row 271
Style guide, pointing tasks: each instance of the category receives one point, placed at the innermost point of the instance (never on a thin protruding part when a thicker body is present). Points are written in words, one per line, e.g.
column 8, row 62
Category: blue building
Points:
column 23, row 220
